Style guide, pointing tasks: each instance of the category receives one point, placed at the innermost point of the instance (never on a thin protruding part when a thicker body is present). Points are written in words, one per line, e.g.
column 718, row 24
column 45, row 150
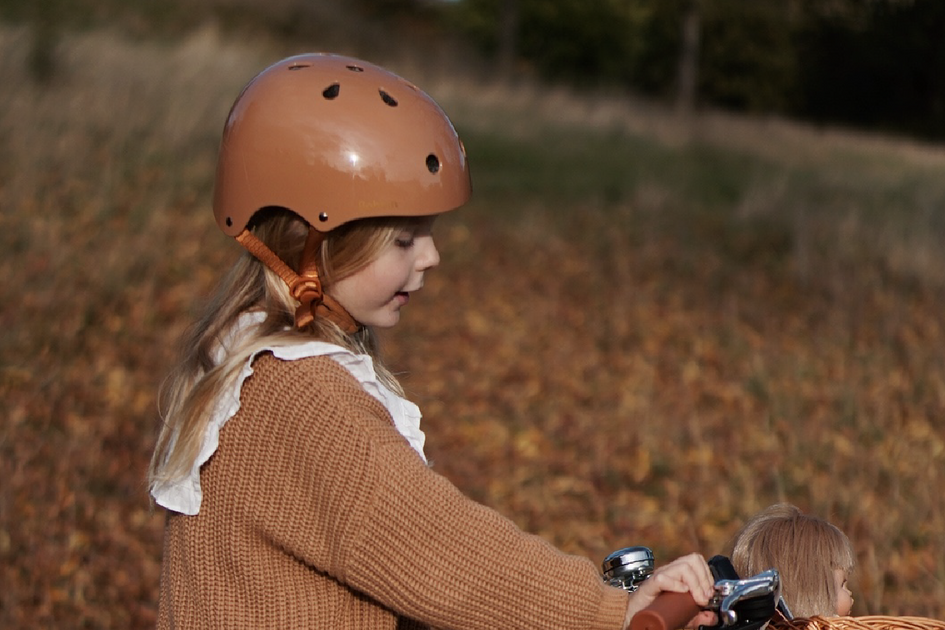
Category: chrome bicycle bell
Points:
column 626, row 568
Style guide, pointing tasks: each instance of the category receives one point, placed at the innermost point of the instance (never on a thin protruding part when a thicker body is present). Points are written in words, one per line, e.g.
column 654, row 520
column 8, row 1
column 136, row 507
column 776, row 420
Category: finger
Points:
column 699, row 566
column 693, row 573
column 700, row 580
column 704, row 618
column 703, row 566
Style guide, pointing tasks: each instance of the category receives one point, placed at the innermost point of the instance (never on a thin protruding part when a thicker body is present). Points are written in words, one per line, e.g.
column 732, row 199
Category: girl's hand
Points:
column 687, row 574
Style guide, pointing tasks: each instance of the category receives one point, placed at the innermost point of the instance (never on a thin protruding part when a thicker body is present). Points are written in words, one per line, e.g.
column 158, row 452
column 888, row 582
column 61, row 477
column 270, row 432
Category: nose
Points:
column 429, row 255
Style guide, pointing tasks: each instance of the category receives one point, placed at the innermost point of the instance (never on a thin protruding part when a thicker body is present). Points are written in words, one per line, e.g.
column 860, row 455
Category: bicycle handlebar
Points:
column 669, row 611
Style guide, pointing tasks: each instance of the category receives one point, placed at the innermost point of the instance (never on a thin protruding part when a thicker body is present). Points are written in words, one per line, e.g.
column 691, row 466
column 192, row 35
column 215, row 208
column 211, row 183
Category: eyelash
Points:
column 404, row 243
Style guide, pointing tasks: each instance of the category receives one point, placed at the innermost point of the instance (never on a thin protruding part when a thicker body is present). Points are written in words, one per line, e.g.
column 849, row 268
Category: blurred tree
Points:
column 729, row 52
column 41, row 61
column 584, row 42
column 749, row 59
column 881, row 65
column 43, row 18
column 508, row 38
column 688, row 73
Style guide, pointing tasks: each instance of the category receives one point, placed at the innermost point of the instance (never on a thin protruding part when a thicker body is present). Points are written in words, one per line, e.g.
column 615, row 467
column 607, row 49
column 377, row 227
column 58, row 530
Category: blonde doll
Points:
column 814, row 557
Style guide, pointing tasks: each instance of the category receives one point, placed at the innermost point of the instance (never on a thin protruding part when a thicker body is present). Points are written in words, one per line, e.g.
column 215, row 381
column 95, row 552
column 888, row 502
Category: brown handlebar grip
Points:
column 669, row 611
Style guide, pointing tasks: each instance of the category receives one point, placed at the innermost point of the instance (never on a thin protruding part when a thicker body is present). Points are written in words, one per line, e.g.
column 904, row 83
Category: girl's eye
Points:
column 404, row 241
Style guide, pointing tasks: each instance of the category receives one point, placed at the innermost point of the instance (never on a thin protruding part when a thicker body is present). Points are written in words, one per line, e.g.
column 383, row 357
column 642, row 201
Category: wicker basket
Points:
column 872, row 622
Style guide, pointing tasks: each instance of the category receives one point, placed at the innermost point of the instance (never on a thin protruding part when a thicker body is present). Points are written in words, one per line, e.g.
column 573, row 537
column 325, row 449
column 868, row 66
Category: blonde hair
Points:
column 805, row 549
column 191, row 389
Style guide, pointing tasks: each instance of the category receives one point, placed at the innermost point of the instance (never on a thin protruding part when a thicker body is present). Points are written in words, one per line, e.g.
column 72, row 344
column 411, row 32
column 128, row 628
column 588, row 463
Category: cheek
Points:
column 845, row 603
column 393, row 271
column 353, row 291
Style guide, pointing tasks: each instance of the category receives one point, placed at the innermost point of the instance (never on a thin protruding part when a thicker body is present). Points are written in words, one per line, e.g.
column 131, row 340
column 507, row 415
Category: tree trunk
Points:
column 508, row 40
column 688, row 72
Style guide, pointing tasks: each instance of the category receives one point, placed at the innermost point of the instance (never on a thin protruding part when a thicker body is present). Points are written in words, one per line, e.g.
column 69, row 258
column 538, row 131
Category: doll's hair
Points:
column 190, row 392
column 805, row 549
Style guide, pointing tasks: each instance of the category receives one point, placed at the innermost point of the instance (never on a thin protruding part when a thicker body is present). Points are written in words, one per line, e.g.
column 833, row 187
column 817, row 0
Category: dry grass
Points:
column 607, row 371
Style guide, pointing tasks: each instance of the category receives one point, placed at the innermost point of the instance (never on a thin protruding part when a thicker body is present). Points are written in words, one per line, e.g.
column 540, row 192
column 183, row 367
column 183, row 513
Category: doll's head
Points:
column 814, row 558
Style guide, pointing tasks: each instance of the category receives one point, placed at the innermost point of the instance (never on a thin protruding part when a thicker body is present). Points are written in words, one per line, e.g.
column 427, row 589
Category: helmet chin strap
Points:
column 305, row 286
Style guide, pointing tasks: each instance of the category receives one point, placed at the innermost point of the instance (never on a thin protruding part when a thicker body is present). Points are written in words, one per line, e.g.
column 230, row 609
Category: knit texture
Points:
column 318, row 514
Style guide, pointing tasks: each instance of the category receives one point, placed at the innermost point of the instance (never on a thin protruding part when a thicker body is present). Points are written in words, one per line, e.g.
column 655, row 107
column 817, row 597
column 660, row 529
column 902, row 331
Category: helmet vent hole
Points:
column 387, row 98
column 298, row 66
column 433, row 163
column 354, row 68
column 229, row 222
column 331, row 92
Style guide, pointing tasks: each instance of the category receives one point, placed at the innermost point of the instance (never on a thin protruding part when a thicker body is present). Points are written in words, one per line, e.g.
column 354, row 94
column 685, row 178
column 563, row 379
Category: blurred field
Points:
column 642, row 331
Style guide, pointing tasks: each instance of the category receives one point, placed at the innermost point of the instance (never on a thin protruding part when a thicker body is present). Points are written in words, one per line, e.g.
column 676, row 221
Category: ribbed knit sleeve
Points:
column 462, row 565
column 324, row 480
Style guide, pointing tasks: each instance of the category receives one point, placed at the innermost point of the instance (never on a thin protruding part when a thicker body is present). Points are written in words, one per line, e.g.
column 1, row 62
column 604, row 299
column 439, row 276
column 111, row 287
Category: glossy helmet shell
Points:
column 336, row 139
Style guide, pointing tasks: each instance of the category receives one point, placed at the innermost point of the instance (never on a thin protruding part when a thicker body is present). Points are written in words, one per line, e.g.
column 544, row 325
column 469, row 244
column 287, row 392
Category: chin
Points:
column 389, row 320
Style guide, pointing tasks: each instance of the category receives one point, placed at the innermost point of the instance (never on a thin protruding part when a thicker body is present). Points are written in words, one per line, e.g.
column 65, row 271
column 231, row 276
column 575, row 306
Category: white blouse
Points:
column 184, row 495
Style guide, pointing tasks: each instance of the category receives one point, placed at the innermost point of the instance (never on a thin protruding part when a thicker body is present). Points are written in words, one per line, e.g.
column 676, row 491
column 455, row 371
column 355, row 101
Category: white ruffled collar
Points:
column 184, row 495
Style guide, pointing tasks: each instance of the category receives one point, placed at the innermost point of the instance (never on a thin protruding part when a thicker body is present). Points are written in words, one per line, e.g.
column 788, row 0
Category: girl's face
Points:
column 375, row 294
column 844, row 596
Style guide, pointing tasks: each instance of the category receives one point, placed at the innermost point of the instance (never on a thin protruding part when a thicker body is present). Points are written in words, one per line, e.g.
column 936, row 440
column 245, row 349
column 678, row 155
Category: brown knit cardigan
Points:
column 316, row 513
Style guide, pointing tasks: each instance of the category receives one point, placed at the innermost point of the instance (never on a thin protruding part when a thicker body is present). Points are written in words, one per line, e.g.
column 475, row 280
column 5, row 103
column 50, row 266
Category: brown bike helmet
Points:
column 335, row 139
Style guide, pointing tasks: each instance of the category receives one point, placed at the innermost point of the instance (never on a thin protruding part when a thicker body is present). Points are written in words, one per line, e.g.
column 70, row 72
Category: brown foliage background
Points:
column 606, row 373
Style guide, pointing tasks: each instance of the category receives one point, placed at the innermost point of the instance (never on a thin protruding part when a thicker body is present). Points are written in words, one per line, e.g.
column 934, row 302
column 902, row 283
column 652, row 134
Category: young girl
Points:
column 815, row 559
column 292, row 468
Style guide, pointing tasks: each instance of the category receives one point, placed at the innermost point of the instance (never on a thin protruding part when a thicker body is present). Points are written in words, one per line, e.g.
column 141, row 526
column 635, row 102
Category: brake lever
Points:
column 730, row 593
